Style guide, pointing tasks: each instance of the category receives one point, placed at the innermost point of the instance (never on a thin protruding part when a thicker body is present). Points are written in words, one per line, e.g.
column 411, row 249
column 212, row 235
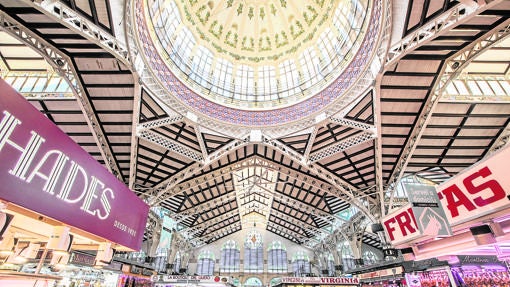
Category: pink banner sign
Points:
column 45, row 171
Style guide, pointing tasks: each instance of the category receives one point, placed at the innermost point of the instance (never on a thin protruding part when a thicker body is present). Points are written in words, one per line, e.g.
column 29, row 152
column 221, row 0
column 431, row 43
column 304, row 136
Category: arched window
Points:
column 205, row 263
column 331, row 265
column 347, row 256
column 253, row 282
column 177, row 262
column 277, row 258
column 230, row 257
column 301, row 264
column 253, row 253
column 369, row 257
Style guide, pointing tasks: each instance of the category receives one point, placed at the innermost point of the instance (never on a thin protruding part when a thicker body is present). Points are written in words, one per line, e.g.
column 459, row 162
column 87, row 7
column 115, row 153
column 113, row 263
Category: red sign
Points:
column 401, row 225
column 479, row 190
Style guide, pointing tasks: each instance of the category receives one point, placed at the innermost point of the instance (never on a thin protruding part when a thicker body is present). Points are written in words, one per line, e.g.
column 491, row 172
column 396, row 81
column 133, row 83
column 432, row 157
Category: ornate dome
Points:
column 253, row 62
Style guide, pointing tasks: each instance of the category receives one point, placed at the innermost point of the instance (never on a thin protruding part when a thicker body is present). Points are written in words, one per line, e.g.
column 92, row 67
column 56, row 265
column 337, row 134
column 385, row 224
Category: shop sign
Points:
column 82, row 259
column 44, row 170
column 422, row 218
column 420, row 265
column 479, row 190
column 189, row 279
column 320, row 280
column 401, row 225
column 478, row 259
column 428, row 211
column 381, row 273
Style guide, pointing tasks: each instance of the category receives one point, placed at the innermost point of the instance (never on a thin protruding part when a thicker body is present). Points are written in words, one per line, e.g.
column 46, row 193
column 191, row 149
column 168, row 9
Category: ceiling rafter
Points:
column 201, row 227
column 83, row 26
column 299, row 223
column 201, row 141
column 133, row 155
column 443, row 23
column 167, row 187
column 172, row 145
column 149, row 125
column 343, row 189
column 353, row 124
column 448, row 72
column 341, row 146
column 61, row 62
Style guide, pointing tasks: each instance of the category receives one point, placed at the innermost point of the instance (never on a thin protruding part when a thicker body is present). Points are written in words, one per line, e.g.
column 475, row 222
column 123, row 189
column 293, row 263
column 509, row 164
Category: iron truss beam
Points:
column 229, row 197
column 340, row 188
column 133, row 154
column 353, row 124
column 208, row 205
column 443, row 23
column 502, row 140
column 159, row 123
column 255, row 161
column 81, row 25
column 201, row 142
column 197, row 228
column 197, row 242
column 296, row 236
column 448, row 73
column 61, row 63
column 311, row 140
column 299, row 223
column 166, row 189
column 341, row 146
column 170, row 144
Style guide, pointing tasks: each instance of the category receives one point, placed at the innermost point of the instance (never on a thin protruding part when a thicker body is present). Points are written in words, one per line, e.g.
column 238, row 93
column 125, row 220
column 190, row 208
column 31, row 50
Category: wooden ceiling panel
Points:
column 435, row 7
column 407, row 80
column 415, row 13
column 418, row 66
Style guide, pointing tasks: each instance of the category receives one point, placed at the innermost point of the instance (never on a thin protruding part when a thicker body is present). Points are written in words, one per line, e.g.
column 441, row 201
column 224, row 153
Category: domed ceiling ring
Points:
column 326, row 95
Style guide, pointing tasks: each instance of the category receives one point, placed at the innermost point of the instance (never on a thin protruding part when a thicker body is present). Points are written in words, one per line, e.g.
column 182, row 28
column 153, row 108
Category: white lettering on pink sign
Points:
column 76, row 186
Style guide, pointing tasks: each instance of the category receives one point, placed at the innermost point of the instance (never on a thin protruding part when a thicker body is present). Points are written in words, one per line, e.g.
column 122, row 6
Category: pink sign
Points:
column 479, row 190
column 44, row 170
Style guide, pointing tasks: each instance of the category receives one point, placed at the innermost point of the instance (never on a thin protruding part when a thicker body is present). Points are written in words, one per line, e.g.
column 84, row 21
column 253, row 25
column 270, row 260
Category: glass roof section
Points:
column 257, row 55
column 39, row 85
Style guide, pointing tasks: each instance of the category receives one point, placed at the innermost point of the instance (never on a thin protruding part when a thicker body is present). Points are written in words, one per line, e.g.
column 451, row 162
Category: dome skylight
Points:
column 257, row 54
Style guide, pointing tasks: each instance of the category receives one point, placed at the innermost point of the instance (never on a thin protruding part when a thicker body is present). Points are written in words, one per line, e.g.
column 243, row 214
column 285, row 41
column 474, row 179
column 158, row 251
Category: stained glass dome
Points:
column 257, row 62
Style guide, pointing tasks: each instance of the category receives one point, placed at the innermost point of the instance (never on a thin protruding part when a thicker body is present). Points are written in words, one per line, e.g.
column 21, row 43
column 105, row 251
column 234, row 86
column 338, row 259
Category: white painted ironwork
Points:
column 169, row 144
column 299, row 223
column 61, row 63
column 159, row 123
column 341, row 146
column 298, row 237
column 353, row 124
column 502, row 140
column 341, row 188
column 450, row 71
column 311, row 140
column 197, row 228
column 80, row 24
column 166, row 187
column 201, row 142
column 222, row 231
column 443, row 23
column 209, row 205
column 133, row 155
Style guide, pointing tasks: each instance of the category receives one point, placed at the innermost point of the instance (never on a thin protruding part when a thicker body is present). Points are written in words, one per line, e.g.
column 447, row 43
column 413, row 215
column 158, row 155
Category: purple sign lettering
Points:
column 44, row 170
